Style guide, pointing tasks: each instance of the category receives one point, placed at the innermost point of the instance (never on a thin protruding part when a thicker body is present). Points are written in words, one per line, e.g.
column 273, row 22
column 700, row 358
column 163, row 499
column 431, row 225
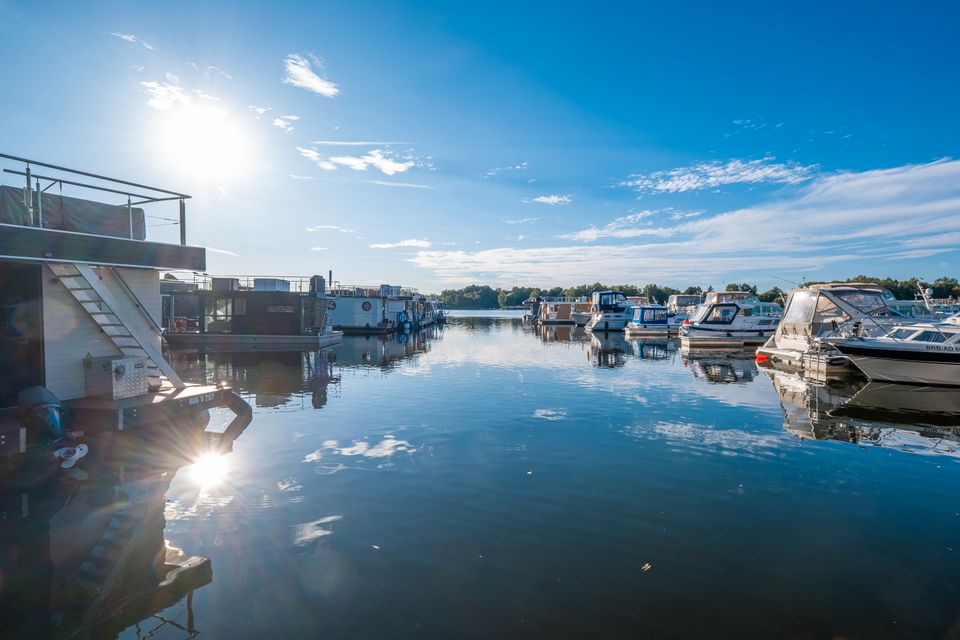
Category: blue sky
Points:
column 441, row 144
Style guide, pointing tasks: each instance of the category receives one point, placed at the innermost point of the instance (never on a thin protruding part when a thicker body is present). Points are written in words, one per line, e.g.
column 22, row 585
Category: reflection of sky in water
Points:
column 513, row 487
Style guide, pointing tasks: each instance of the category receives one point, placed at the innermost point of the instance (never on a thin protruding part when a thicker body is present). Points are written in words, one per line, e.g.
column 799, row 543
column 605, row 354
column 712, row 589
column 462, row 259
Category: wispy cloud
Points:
column 627, row 226
column 330, row 227
column 522, row 166
column 401, row 185
column 354, row 143
column 318, row 248
column 257, row 111
column 300, row 73
column 423, row 244
column 715, row 174
column 164, row 96
column 223, row 251
column 210, row 70
column 827, row 226
column 520, row 220
column 285, row 123
column 553, row 200
column 132, row 39
column 384, row 161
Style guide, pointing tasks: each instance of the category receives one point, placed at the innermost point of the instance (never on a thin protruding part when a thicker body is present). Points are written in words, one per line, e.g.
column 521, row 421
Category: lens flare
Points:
column 209, row 470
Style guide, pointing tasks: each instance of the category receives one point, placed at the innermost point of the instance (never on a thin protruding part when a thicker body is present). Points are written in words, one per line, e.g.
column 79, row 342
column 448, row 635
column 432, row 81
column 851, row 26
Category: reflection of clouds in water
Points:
column 307, row 532
column 383, row 449
column 289, row 484
column 201, row 508
column 550, row 414
column 730, row 442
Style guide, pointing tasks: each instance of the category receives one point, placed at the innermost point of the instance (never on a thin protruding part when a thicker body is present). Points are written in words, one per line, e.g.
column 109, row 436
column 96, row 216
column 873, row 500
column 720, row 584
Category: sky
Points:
column 440, row 144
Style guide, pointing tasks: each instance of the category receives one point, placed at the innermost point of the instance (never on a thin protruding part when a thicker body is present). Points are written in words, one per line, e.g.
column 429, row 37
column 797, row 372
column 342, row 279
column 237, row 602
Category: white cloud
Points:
column 423, row 244
column 285, row 122
column 223, row 251
column 402, row 185
column 318, row 248
column 520, row 220
column 210, row 69
column 521, row 237
column 835, row 225
column 553, row 199
column 330, row 227
column 164, row 96
column 300, row 73
column 625, row 226
column 714, row 174
column 257, row 111
column 132, row 39
column 354, row 143
column 386, row 162
column 522, row 166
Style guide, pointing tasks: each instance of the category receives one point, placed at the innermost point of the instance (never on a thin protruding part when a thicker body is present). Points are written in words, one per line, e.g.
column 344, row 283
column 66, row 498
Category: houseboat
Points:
column 556, row 313
column 383, row 309
column 80, row 294
column 680, row 307
column 246, row 312
column 730, row 320
column 816, row 311
column 611, row 311
column 649, row 320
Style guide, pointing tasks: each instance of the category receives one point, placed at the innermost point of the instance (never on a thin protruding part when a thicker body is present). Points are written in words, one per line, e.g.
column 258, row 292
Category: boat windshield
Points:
column 869, row 302
column 721, row 314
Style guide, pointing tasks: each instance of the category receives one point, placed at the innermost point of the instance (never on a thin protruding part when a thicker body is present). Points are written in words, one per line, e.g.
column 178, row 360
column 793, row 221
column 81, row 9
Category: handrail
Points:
column 136, row 301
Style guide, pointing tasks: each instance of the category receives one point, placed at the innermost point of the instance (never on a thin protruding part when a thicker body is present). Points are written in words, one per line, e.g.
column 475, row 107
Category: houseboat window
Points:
column 239, row 306
column 366, row 306
column 722, row 314
column 930, row 336
column 800, row 308
column 218, row 314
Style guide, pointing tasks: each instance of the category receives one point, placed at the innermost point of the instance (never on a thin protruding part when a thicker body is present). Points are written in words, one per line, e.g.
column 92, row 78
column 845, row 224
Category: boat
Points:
column 556, row 313
column 730, row 320
column 610, row 311
column 359, row 310
column 649, row 320
column 247, row 312
column 816, row 311
column 921, row 353
column 681, row 306
column 581, row 313
column 80, row 296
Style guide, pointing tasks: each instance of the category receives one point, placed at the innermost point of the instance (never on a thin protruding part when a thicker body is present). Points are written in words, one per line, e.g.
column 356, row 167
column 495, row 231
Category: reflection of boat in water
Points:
column 653, row 349
column 912, row 419
column 723, row 368
column 83, row 552
column 561, row 333
column 607, row 349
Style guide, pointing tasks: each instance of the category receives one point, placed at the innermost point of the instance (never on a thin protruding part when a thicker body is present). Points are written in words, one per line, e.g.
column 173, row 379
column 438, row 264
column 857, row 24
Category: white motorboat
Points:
column 817, row 311
column 649, row 320
column 730, row 320
column 611, row 311
column 922, row 353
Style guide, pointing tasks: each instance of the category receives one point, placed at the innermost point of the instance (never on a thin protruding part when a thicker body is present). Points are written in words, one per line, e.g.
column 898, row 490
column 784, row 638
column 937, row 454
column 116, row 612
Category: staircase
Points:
column 120, row 316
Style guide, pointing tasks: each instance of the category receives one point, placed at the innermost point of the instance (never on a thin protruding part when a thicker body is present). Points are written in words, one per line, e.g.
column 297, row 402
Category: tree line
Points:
column 477, row 296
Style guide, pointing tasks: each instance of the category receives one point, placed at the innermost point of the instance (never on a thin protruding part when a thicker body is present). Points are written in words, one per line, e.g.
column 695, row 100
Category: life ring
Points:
column 401, row 317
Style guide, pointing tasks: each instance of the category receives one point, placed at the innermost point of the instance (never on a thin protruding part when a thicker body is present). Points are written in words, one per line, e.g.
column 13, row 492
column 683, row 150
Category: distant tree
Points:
column 772, row 295
column 693, row 291
column 743, row 286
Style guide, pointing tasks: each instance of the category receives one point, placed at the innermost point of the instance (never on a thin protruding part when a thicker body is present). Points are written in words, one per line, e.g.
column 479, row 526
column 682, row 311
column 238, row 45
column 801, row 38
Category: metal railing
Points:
column 33, row 186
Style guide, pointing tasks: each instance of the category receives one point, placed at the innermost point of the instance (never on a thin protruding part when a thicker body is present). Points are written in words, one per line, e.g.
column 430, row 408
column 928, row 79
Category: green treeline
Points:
column 478, row 296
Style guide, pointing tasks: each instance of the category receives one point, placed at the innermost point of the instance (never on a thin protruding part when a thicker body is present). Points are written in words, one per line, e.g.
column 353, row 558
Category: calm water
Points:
column 488, row 480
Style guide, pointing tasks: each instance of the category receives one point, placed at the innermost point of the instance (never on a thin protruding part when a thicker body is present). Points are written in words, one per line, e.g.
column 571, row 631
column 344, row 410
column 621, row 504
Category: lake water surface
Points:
column 490, row 480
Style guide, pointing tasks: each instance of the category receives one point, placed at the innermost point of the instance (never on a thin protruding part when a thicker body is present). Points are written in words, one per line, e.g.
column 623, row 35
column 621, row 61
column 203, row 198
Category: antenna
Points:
column 796, row 284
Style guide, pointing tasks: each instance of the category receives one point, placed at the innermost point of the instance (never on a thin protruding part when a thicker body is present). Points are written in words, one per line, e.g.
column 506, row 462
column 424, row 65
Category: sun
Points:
column 204, row 142
column 209, row 470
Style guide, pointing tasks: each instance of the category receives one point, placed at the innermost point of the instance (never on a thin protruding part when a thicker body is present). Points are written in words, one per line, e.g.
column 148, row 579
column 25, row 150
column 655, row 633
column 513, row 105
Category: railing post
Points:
column 39, row 206
column 130, row 216
column 28, row 196
column 183, row 223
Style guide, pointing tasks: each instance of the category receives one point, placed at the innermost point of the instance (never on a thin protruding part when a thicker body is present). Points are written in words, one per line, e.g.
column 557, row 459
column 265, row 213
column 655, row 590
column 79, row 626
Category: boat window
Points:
column 828, row 310
column 866, row 301
column 218, row 313
column 722, row 314
column 746, row 311
column 800, row 307
column 902, row 334
column 654, row 315
column 767, row 321
column 930, row 336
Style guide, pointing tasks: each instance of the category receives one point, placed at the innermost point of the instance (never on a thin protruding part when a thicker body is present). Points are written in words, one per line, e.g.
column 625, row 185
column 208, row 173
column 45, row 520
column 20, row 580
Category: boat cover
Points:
column 72, row 214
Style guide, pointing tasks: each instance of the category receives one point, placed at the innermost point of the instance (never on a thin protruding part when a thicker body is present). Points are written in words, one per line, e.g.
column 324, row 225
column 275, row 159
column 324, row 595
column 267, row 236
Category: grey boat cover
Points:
column 72, row 214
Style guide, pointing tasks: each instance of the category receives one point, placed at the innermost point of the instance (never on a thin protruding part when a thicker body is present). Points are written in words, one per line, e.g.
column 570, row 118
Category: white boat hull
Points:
column 609, row 322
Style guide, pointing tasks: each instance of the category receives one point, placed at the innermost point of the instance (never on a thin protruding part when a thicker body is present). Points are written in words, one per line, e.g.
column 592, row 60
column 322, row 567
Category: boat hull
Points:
column 912, row 366
column 704, row 338
column 648, row 331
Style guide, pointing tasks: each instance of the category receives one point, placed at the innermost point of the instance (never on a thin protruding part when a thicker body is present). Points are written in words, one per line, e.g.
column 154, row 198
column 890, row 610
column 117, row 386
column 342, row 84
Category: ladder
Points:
column 119, row 322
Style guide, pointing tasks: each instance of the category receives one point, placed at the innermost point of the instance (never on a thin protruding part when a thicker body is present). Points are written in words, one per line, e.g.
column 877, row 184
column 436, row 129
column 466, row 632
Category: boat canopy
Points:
column 650, row 314
column 608, row 301
column 817, row 310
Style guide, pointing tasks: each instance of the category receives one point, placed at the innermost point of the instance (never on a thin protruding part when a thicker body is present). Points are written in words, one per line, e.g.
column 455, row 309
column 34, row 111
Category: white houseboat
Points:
column 730, row 320
column 611, row 311
column 80, row 293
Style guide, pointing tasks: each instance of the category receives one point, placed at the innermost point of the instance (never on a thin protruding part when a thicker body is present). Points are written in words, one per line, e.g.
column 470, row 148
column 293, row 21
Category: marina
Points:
column 753, row 462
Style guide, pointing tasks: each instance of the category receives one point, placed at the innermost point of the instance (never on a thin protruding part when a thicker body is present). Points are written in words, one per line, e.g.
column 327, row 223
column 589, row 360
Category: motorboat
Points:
column 649, row 320
column 921, row 353
column 816, row 311
column 581, row 313
column 730, row 320
column 611, row 311
column 680, row 307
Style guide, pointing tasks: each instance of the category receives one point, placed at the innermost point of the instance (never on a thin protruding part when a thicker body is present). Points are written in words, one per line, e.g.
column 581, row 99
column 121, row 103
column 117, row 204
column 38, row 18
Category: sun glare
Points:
column 209, row 470
column 204, row 141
